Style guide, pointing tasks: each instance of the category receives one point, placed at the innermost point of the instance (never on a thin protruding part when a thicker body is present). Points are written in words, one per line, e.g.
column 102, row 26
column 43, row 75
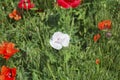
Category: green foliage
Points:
column 37, row 60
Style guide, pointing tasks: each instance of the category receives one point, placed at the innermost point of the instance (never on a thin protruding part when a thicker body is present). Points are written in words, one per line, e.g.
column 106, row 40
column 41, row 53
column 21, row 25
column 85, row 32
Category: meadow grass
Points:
column 37, row 60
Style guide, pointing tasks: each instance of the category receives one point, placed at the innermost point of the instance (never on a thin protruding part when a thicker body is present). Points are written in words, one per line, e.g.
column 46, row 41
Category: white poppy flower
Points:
column 59, row 40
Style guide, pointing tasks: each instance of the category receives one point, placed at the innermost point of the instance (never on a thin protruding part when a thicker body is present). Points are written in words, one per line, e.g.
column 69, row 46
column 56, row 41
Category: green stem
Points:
column 51, row 71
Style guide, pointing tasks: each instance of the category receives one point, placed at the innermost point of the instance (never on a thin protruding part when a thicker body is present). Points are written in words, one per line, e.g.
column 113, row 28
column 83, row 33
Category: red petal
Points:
column 96, row 37
column 63, row 4
column 75, row 3
column 2, row 50
column 2, row 77
column 25, row 5
column 4, row 70
column 20, row 5
column 13, row 72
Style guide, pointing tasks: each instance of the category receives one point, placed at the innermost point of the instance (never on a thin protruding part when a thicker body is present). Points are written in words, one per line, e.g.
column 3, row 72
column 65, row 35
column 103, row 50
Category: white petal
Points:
column 55, row 45
column 57, row 35
column 66, row 40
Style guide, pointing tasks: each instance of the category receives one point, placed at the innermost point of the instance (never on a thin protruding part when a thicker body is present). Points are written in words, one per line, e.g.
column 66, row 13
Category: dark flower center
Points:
column 106, row 26
column 9, row 74
column 69, row 0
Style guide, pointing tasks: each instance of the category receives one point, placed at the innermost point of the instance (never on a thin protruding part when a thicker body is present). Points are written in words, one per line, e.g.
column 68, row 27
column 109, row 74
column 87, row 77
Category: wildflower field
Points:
column 59, row 40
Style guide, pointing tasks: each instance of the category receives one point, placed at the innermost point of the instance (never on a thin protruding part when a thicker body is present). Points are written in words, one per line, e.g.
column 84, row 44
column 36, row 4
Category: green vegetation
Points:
column 37, row 60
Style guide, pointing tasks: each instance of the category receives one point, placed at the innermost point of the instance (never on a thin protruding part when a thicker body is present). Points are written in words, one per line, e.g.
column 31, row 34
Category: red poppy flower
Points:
column 97, row 61
column 7, row 73
column 25, row 4
column 7, row 49
column 15, row 15
column 68, row 3
column 106, row 24
column 96, row 37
